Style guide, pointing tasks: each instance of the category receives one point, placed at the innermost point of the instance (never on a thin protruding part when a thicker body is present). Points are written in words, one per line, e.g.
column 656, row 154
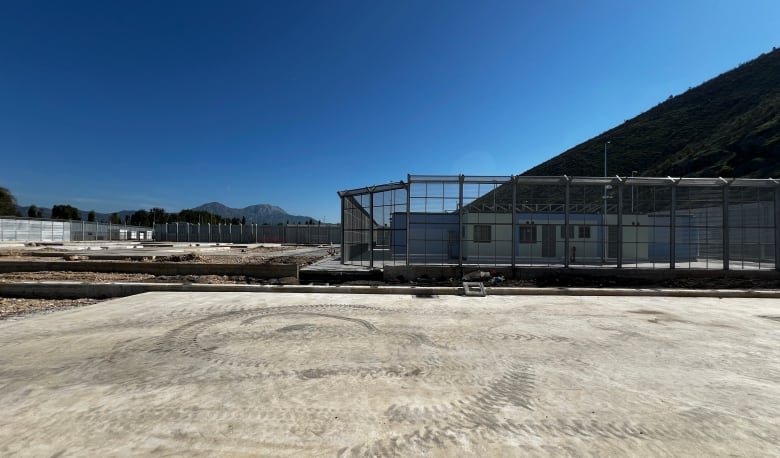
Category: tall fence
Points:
column 51, row 230
column 624, row 222
column 305, row 234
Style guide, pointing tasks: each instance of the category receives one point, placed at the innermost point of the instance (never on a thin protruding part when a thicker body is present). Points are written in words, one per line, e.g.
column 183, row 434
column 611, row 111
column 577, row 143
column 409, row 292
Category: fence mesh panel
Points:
column 627, row 222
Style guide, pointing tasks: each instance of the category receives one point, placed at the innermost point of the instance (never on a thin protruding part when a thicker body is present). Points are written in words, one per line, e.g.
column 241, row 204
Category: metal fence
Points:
column 624, row 222
column 50, row 230
column 305, row 234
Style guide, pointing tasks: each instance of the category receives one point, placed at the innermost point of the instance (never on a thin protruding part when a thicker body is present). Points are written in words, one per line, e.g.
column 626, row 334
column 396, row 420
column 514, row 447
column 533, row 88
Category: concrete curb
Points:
column 72, row 290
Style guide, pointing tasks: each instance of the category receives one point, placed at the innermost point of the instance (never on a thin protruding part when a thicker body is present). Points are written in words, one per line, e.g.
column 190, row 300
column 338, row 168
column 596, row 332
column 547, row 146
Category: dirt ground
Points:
column 247, row 374
column 17, row 307
column 286, row 255
column 260, row 255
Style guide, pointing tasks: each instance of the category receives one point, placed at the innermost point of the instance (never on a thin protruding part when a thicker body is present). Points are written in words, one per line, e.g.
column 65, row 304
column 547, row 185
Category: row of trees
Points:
column 159, row 216
column 156, row 215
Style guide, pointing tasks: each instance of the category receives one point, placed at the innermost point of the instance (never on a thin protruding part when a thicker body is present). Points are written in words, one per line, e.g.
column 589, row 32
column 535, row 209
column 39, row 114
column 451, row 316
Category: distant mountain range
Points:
column 254, row 214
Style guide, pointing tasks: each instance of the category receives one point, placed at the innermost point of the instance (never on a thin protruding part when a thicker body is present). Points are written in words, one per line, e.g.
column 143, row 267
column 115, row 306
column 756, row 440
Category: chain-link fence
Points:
column 627, row 222
column 305, row 234
column 50, row 230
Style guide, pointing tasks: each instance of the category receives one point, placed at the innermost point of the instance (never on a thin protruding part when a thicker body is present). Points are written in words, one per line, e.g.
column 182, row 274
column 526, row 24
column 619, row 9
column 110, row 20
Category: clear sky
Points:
column 120, row 105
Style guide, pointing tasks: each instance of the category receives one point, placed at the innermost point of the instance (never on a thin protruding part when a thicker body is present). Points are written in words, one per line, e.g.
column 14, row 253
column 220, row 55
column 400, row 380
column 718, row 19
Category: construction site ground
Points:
column 275, row 374
column 135, row 252
column 303, row 256
column 313, row 374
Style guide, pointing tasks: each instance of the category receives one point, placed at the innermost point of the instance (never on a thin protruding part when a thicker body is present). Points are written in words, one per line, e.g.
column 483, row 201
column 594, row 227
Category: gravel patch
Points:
column 16, row 307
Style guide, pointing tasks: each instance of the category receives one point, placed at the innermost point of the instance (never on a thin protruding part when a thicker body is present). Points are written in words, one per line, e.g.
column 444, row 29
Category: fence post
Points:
column 726, row 236
column 777, row 227
column 566, row 222
column 620, row 225
column 461, row 231
column 512, row 224
column 673, row 228
column 371, row 229
column 408, row 216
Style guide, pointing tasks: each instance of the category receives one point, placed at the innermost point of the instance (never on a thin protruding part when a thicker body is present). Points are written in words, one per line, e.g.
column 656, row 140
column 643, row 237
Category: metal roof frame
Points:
column 372, row 189
column 563, row 179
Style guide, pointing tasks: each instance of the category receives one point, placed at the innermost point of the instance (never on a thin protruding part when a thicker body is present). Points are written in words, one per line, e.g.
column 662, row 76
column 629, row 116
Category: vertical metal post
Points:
column 371, row 229
column 408, row 215
column 726, row 236
column 620, row 226
column 566, row 222
column 343, row 226
column 603, row 228
column 83, row 234
column 777, row 228
column 461, row 229
column 673, row 228
column 512, row 225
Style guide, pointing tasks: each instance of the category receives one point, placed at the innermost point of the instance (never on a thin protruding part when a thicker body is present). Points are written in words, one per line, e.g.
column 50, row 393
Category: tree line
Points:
column 8, row 207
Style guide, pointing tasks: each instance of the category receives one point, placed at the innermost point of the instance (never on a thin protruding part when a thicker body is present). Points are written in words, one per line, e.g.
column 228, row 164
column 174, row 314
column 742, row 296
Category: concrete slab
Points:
column 239, row 374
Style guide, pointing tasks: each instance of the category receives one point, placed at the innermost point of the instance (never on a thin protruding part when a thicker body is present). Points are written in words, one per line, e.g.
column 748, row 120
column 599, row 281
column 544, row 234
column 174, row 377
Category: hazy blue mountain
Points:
column 255, row 214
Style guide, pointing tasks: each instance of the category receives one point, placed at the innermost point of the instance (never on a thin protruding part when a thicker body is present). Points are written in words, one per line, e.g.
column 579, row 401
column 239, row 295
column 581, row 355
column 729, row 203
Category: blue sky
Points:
column 133, row 104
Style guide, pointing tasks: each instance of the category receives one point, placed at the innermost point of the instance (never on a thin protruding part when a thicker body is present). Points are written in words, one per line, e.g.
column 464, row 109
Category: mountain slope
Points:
column 259, row 214
column 728, row 126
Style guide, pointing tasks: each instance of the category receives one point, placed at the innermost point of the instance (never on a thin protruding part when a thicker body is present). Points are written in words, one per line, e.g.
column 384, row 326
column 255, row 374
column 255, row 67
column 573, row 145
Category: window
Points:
column 563, row 231
column 482, row 233
column 527, row 233
column 583, row 232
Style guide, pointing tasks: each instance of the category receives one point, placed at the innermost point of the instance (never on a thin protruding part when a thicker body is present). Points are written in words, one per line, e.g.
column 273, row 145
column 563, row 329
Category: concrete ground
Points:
column 248, row 374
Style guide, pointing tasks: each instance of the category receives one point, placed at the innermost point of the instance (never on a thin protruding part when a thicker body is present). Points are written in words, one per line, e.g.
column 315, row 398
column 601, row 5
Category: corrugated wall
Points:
column 48, row 230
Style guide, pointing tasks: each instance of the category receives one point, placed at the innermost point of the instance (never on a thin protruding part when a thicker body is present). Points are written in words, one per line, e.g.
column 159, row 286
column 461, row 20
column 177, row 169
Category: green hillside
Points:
column 728, row 126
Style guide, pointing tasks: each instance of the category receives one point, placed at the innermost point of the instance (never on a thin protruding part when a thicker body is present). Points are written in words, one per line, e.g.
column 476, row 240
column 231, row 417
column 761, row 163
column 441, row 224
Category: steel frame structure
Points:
column 720, row 223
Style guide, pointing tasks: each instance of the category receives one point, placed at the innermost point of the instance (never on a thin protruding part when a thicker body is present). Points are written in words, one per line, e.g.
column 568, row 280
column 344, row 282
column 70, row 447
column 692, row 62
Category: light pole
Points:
column 605, row 157
column 633, row 172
